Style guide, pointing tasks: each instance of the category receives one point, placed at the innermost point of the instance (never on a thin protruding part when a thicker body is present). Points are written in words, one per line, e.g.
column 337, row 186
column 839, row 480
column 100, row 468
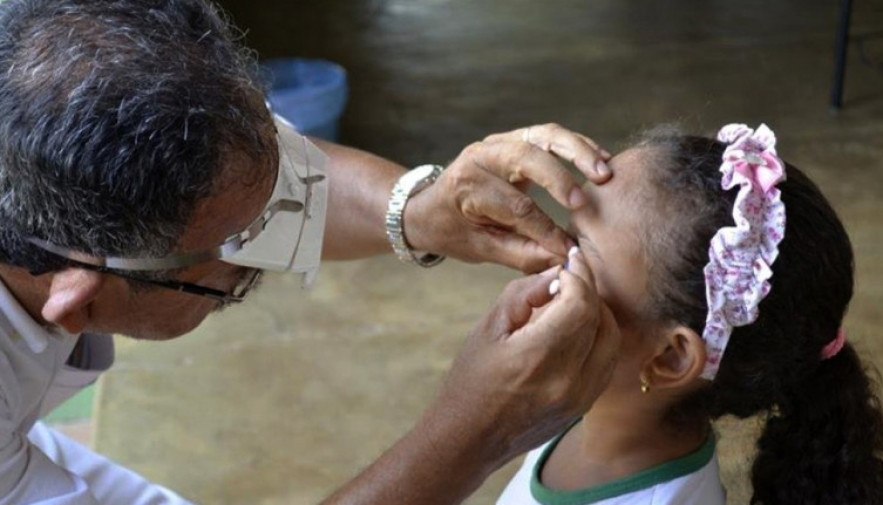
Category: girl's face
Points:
column 610, row 231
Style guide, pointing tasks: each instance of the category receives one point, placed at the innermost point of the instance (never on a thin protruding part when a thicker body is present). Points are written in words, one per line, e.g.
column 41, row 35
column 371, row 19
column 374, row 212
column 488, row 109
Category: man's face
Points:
column 161, row 314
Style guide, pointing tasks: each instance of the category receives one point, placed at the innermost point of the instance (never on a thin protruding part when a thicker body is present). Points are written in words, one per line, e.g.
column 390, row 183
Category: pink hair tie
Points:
column 833, row 347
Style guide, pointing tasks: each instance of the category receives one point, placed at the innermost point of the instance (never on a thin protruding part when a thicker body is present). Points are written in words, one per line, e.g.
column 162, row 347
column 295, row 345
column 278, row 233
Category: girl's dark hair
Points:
column 824, row 430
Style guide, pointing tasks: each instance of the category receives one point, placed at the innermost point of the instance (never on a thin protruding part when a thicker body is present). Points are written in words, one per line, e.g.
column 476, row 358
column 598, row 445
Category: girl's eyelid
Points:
column 589, row 245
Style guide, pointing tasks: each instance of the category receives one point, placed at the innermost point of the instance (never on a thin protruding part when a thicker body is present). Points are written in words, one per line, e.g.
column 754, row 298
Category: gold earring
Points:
column 645, row 386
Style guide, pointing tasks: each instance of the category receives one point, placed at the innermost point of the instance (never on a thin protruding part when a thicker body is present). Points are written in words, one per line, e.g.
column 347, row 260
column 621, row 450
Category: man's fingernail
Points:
column 602, row 168
column 606, row 154
column 554, row 286
column 577, row 198
column 572, row 252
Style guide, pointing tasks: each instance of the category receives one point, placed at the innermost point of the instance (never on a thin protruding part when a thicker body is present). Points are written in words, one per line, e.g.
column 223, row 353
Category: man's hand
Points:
column 534, row 364
column 478, row 209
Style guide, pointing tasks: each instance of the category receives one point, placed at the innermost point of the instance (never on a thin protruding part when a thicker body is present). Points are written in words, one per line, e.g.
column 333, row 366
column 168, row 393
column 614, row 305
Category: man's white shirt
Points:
column 37, row 464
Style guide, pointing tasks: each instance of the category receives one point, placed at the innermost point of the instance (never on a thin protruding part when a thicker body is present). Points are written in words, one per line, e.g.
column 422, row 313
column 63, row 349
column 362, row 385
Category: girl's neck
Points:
column 612, row 443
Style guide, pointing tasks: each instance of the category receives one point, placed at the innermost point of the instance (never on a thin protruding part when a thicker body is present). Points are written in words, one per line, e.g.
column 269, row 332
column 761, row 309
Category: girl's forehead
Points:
column 613, row 228
column 631, row 179
column 633, row 159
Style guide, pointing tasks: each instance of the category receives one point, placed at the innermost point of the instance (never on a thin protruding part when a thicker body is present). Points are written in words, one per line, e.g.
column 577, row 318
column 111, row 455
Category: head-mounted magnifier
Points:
column 286, row 237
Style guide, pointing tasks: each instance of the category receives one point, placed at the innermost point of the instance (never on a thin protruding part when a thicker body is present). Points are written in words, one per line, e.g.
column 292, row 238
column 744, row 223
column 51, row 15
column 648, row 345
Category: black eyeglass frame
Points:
column 236, row 296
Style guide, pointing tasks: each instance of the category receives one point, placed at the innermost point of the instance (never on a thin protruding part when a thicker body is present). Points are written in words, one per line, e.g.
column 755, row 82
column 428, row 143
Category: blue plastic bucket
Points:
column 311, row 94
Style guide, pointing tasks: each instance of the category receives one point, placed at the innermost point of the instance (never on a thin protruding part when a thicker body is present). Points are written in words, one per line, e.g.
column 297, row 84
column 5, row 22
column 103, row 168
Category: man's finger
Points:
column 506, row 207
column 516, row 162
column 523, row 295
column 576, row 148
column 577, row 265
column 580, row 150
column 605, row 155
column 526, row 134
column 570, row 313
column 519, row 252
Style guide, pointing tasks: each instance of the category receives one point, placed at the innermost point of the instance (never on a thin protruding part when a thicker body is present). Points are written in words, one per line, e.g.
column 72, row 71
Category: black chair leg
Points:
column 842, row 44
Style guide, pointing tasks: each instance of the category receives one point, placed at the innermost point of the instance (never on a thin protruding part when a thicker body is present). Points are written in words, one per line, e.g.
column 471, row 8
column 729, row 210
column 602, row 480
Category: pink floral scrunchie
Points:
column 738, row 271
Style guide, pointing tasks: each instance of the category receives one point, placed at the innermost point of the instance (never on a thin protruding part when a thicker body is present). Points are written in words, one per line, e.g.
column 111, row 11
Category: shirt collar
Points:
column 35, row 335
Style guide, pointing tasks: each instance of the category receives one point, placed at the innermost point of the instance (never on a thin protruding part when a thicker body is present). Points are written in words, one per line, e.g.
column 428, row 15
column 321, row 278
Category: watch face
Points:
column 416, row 174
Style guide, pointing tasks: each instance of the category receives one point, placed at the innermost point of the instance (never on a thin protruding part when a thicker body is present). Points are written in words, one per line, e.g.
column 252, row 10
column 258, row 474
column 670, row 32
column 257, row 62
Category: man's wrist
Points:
column 413, row 219
column 441, row 461
column 464, row 441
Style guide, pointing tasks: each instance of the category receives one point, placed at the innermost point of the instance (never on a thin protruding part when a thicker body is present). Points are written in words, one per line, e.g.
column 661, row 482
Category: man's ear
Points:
column 679, row 359
column 70, row 293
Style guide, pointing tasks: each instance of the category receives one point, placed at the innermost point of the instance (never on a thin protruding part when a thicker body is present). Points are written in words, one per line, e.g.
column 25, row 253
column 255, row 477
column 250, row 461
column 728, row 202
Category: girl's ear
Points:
column 679, row 359
column 70, row 293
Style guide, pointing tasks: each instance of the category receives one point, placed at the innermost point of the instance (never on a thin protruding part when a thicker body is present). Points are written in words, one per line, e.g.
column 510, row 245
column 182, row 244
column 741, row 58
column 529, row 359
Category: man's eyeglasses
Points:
column 245, row 285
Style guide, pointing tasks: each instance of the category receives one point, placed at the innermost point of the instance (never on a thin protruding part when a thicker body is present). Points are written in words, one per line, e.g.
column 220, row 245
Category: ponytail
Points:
column 824, row 443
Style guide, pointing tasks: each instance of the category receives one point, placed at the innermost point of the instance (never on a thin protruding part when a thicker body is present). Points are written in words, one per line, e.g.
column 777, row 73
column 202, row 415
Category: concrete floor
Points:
column 283, row 399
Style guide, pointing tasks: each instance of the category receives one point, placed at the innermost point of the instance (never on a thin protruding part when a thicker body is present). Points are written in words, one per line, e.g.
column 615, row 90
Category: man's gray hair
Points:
column 116, row 118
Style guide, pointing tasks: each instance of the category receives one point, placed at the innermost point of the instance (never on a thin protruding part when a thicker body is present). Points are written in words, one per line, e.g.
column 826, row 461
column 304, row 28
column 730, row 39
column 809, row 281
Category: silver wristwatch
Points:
column 407, row 186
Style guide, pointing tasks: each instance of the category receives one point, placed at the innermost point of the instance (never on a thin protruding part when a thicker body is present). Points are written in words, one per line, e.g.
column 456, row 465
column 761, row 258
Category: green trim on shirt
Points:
column 642, row 480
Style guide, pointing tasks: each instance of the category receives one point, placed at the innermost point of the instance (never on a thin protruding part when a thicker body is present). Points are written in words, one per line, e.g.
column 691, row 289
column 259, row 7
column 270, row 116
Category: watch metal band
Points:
column 407, row 186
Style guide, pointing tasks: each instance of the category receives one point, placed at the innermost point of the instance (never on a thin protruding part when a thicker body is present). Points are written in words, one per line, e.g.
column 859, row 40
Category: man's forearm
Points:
column 432, row 465
column 359, row 188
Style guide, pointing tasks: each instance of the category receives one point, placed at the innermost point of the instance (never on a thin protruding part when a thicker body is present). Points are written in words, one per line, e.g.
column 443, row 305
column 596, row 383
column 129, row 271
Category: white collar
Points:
column 35, row 335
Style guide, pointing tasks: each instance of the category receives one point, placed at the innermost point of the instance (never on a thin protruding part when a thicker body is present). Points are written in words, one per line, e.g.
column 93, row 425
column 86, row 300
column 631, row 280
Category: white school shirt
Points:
column 39, row 465
column 691, row 480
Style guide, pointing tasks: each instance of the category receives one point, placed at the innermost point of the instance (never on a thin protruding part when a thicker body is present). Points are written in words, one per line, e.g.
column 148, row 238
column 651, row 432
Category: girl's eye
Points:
column 588, row 247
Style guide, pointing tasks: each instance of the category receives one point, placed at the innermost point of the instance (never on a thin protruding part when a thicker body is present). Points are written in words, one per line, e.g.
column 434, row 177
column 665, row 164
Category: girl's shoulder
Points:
column 691, row 480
